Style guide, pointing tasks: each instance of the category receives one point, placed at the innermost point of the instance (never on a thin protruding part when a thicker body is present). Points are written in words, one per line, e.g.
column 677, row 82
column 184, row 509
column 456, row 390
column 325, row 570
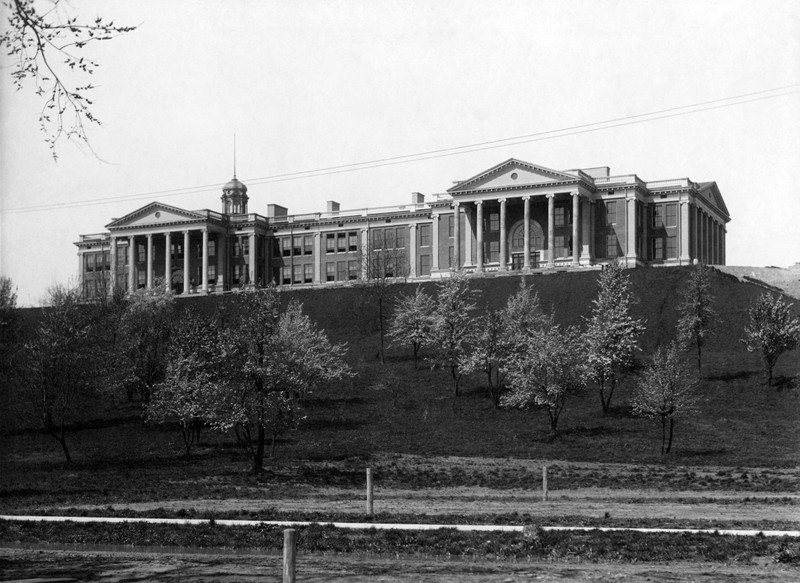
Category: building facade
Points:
column 515, row 216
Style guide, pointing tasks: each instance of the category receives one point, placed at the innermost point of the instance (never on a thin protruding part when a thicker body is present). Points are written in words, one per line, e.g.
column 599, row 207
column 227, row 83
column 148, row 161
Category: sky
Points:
column 319, row 84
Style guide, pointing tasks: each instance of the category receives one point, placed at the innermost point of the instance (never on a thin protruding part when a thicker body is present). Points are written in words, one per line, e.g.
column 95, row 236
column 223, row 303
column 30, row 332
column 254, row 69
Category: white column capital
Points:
column 526, row 198
column 550, row 195
column 479, row 203
column 502, row 200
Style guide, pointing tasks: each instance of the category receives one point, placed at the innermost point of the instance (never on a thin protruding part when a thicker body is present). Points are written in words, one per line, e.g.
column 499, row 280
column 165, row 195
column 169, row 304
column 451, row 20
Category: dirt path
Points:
column 586, row 502
column 125, row 567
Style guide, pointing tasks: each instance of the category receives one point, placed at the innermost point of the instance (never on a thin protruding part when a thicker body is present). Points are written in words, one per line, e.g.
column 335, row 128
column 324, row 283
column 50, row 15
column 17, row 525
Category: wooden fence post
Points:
column 289, row 558
column 544, row 483
column 369, row 491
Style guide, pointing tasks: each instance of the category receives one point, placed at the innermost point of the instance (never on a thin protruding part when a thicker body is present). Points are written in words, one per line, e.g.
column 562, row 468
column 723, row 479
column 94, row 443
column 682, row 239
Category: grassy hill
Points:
column 397, row 409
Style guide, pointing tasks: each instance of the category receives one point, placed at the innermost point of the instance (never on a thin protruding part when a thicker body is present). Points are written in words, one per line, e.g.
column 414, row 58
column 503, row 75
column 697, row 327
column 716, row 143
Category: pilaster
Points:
column 526, row 230
column 576, row 213
column 551, row 234
column 186, row 262
column 503, row 237
column 412, row 250
column 168, row 261
column 149, row 261
column 204, row 251
column 479, row 243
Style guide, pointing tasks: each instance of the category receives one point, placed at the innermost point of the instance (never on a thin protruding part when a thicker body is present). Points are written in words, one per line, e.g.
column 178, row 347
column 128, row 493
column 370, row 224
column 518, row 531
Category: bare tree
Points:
column 772, row 330
column 380, row 269
column 696, row 312
column 48, row 45
column 64, row 362
column 666, row 390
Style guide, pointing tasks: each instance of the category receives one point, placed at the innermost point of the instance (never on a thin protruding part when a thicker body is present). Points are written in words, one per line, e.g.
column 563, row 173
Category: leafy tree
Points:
column 547, row 367
column 145, row 325
column 452, row 325
column 48, row 45
column 412, row 321
column 611, row 337
column 488, row 349
column 273, row 358
column 380, row 269
column 666, row 390
column 65, row 360
column 696, row 312
column 772, row 330
column 192, row 382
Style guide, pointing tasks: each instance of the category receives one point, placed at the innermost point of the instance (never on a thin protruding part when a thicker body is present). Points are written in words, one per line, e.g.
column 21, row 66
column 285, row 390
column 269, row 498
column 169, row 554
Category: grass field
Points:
column 441, row 458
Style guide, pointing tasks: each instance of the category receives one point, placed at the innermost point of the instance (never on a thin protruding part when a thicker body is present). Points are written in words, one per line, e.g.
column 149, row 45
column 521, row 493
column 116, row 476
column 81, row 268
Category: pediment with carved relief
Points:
column 510, row 174
column 155, row 214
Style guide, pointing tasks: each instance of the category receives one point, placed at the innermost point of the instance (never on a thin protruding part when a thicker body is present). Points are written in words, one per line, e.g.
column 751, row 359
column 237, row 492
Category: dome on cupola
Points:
column 234, row 184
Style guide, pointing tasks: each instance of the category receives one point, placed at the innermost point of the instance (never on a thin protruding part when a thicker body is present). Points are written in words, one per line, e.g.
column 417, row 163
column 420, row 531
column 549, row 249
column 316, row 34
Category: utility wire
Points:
column 452, row 151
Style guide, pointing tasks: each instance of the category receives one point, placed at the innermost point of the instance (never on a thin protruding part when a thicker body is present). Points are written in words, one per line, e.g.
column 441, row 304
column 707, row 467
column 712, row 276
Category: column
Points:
column 479, row 237
column 724, row 240
column 318, row 257
column 168, row 261
column 251, row 263
column 503, row 236
column 469, row 219
column 222, row 261
column 457, row 235
column 435, row 243
column 82, row 275
column 592, row 229
column 697, row 254
column 630, row 232
column 684, row 231
column 186, row 262
column 576, row 213
column 526, row 229
column 645, row 233
column 113, row 275
column 204, row 251
column 412, row 250
column 131, row 264
column 149, row 260
column 586, row 232
column 551, row 234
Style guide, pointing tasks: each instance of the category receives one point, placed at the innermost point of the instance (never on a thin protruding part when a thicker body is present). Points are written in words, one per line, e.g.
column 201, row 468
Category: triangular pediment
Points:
column 155, row 214
column 710, row 191
column 509, row 174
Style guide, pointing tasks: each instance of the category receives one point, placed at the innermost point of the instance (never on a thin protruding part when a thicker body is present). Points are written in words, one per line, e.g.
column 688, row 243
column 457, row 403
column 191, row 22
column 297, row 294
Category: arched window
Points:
column 518, row 237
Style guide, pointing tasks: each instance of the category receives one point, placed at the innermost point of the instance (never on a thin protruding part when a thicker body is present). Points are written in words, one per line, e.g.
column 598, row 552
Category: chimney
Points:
column 417, row 198
column 275, row 211
column 333, row 206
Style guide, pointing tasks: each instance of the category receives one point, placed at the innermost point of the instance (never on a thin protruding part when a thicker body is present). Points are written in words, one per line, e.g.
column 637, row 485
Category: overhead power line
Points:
column 641, row 118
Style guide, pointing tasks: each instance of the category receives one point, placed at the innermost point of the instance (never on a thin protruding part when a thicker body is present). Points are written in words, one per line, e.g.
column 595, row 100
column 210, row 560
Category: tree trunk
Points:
column 416, row 353
column 63, row 442
column 258, row 456
column 272, row 448
column 671, row 427
column 699, row 361
column 663, row 433
column 380, row 323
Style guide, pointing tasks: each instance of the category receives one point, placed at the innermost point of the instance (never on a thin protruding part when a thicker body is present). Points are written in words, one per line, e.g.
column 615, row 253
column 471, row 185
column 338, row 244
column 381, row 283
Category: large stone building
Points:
column 513, row 216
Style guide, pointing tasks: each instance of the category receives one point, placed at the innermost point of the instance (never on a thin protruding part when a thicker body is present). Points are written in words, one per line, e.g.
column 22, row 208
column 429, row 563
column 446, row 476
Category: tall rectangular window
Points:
column 330, row 271
column 212, row 274
column 450, row 225
column 400, row 237
column 612, row 247
column 377, row 239
column 330, row 243
column 341, row 271
column 352, row 270
column 122, row 256
column 493, row 252
column 672, row 247
column 212, row 248
column 658, row 216
column 245, row 246
column 658, row 248
column 341, row 242
column 308, row 273
column 297, row 273
column 352, row 241
column 286, row 246
column 286, row 272
column 89, row 257
column 425, row 236
column 672, row 215
column 494, row 222
column 308, row 245
column 560, row 220
column 388, row 238
column 142, row 253
column 424, row 264
column 451, row 256
column 297, row 245
column 611, row 213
